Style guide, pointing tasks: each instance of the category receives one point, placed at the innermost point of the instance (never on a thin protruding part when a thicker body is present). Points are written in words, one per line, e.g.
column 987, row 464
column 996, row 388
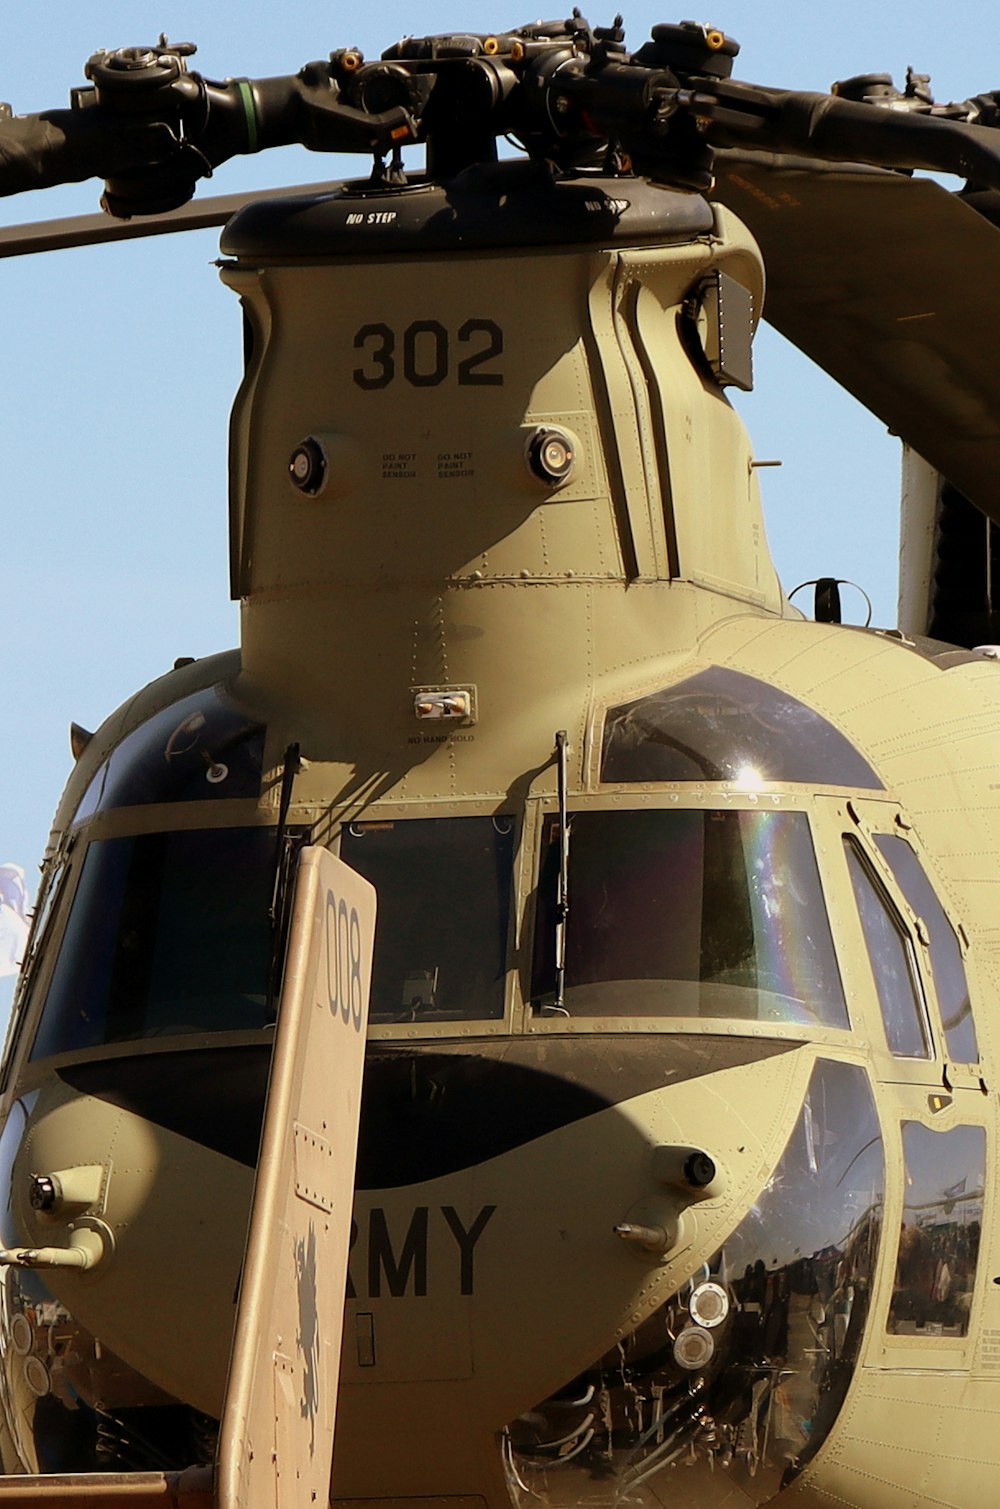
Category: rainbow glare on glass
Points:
column 674, row 912
column 793, row 944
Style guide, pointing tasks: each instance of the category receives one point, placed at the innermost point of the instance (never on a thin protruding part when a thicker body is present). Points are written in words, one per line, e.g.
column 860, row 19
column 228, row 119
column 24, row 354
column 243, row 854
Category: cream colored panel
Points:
column 190, row 1265
column 720, row 544
column 461, row 1265
column 911, row 1441
column 276, row 1444
column 422, row 395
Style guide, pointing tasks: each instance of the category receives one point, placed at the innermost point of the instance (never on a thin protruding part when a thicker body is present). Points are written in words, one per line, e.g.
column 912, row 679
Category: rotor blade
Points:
column 95, row 230
column 888, row 283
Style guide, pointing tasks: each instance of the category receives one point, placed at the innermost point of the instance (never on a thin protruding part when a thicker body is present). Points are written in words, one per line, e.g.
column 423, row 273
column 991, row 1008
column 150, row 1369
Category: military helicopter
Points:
column 674, row 1174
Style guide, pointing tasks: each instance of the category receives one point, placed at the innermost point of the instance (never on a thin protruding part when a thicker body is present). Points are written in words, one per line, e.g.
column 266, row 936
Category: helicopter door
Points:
column 276, row 1443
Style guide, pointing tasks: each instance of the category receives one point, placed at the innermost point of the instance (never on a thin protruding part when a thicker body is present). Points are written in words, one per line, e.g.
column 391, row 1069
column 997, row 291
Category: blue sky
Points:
column 120, row 363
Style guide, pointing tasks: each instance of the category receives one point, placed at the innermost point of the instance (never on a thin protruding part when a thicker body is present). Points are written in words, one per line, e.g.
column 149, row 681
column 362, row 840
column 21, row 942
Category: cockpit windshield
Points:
column 168, row 934
column 685, row 912
column 444, row 889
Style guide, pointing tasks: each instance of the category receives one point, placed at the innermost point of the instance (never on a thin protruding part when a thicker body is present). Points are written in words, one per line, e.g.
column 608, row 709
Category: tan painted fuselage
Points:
column 487, row 1281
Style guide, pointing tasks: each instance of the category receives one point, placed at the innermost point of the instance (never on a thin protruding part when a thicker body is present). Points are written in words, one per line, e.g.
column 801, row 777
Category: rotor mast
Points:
column 571, row 94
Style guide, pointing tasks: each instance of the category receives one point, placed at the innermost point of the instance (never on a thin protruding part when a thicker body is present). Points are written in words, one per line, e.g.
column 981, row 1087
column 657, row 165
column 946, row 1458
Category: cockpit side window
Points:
column 940, row 1232
column 683, row 912
column 950, row 980
column 891, row 955
column 48, row 905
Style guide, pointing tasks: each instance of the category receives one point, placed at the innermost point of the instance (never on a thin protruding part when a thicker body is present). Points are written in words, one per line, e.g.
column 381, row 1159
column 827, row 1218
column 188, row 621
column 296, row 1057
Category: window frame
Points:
column 900, row 920
column 705, row 798
column 896, row 1349
column 508, row 1023
column 863, row 818
column 921, row 931
column 23, row 1073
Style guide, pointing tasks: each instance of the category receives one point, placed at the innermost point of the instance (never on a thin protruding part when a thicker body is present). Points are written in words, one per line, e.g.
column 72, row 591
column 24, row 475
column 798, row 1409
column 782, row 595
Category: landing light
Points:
column 694, row 1349
column 708, row 1305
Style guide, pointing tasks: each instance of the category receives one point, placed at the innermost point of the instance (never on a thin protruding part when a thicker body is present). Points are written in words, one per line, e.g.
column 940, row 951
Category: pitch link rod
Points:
column 151, row 129
column 643, row 108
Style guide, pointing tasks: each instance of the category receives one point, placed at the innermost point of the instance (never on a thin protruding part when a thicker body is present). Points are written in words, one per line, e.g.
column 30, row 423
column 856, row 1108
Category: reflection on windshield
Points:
column 728, row 1389
column 940, row 1233
column 202, row 748
column 686, row 912
column 721, row 725
column 946, row 957
column 891, row 956
column 167, row 933
column 444, row 888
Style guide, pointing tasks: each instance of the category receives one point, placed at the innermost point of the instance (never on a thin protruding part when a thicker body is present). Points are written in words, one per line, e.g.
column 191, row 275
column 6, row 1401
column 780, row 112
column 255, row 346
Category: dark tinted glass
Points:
column 685, row 912
column 203, row 748
column 168, row 933
column 942, row 1224
column 444, row 887
column 889, row 951
column 946, row 957
column 723, row 726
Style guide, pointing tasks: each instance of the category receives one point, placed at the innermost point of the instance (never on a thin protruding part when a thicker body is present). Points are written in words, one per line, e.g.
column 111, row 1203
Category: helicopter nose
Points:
column 743, row 1366
column 132, row 1234
column 687, row 1175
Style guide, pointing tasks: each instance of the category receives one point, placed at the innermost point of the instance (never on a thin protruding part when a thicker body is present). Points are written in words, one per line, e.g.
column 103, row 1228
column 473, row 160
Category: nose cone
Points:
column 485, row 1268
column 743, row 1367
column 484, row 1288
column 151, row 1321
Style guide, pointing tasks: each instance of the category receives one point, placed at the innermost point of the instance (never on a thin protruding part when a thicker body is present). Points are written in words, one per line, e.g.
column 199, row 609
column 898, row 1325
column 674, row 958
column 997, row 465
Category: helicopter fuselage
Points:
column 675, row 1175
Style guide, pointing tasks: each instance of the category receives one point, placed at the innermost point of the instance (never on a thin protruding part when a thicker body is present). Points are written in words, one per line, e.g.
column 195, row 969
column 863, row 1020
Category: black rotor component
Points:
column 375, row 87
column 508, row 204
column 867, row 86
column 567, row 92
column 460, row 123
column 689, row 50
column 125, row 79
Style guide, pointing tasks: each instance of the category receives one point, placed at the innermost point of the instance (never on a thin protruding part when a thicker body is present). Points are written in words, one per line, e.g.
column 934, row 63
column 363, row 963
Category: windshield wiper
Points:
column 557, row 1006
column 284, row 847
